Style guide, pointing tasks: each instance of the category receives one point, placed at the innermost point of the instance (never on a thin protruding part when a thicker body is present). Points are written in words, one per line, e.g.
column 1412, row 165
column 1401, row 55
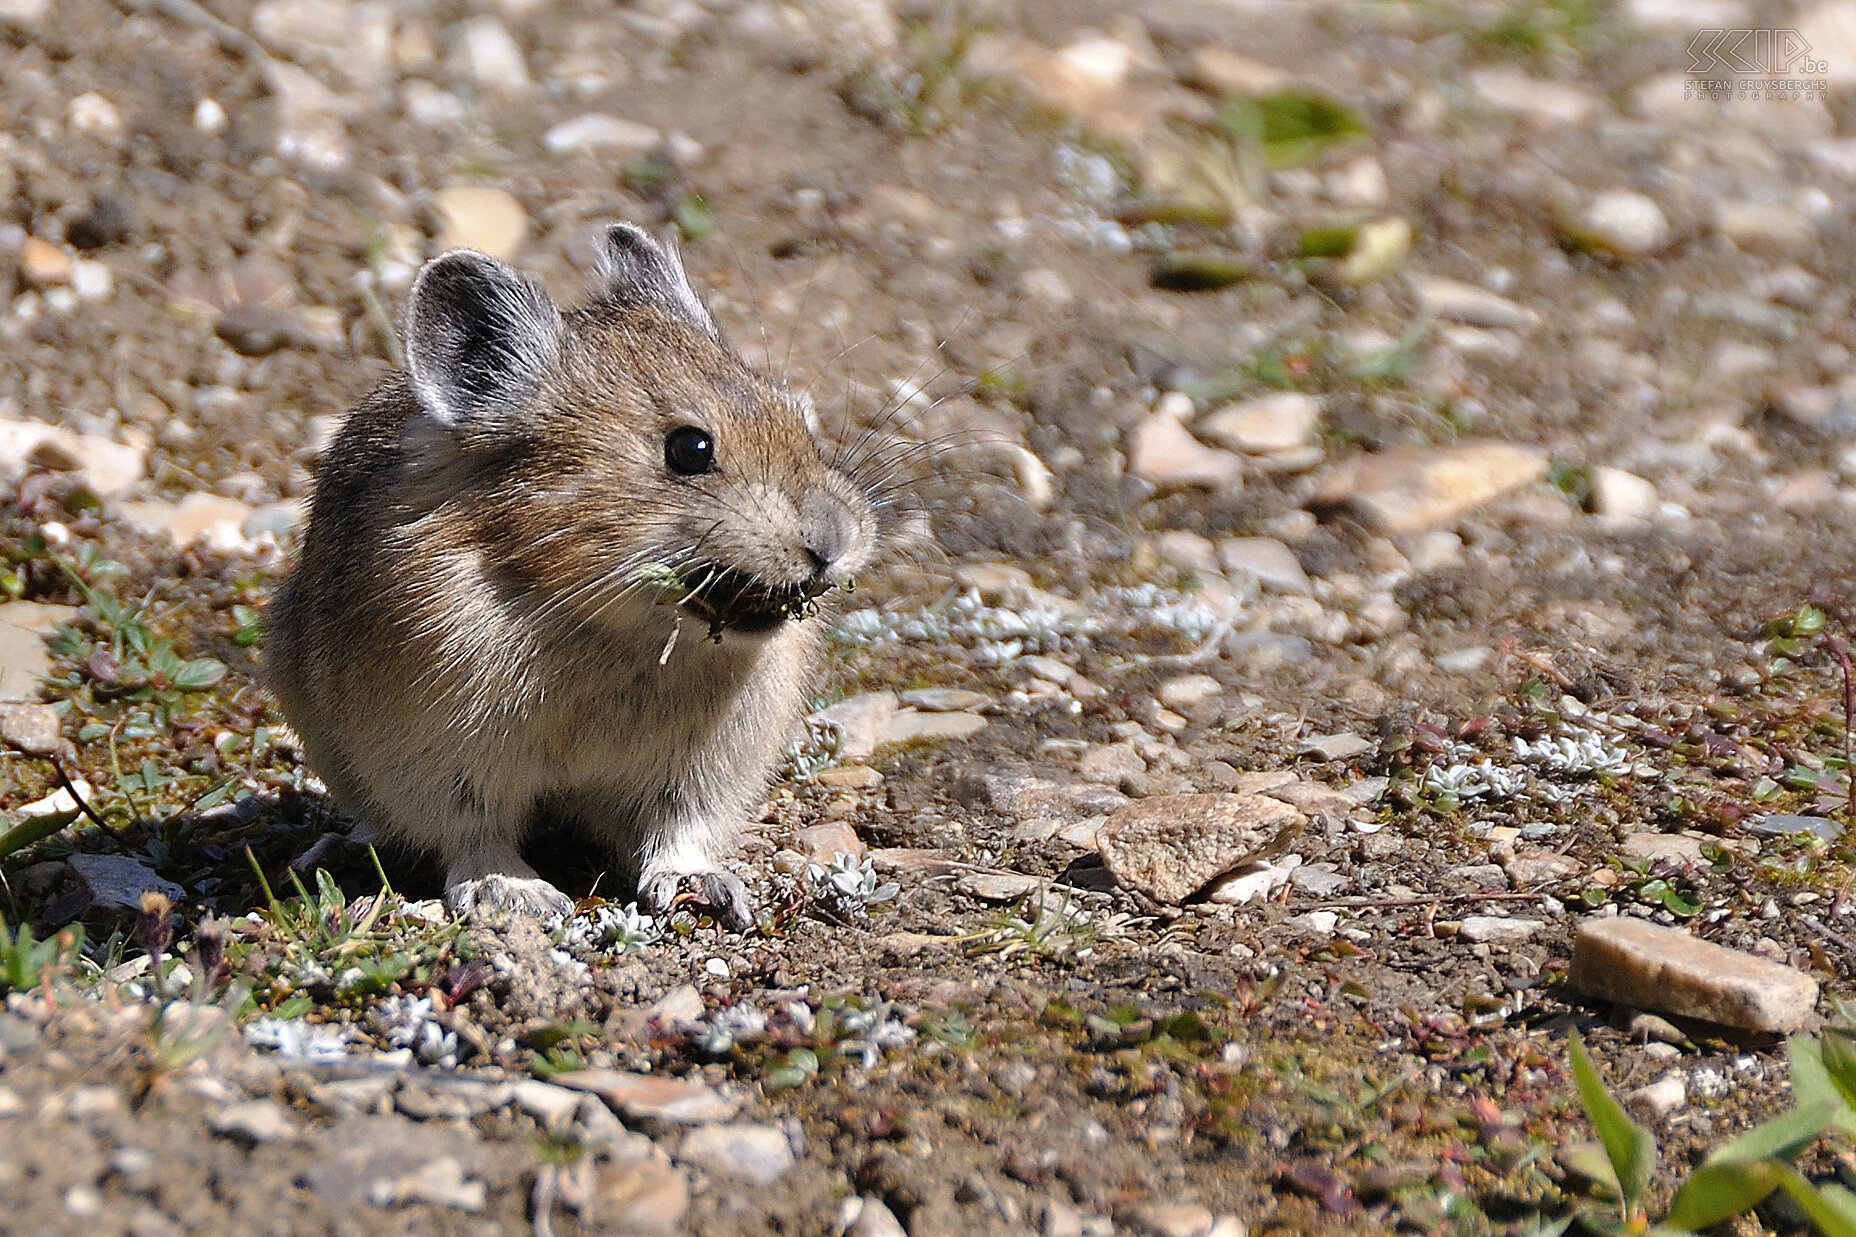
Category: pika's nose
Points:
column 825, row 531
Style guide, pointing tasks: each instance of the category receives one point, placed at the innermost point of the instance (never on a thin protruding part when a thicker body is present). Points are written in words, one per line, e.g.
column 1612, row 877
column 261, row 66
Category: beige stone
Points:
column 1637, row 963
column 1406, row 491
column 1170, row 846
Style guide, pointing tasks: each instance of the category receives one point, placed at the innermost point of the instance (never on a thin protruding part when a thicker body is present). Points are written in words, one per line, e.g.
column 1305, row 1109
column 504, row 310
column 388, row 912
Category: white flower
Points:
column 738, row 1024
column 296, row 1040
column 621, row 929
column 848, row 886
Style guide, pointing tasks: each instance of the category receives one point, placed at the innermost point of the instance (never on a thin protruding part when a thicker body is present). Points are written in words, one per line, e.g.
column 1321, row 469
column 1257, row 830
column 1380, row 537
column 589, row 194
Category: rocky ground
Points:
column 1391, row 468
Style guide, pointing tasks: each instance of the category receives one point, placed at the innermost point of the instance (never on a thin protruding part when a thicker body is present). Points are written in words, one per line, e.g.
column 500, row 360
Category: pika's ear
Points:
column 479, row 337
column 636, row 268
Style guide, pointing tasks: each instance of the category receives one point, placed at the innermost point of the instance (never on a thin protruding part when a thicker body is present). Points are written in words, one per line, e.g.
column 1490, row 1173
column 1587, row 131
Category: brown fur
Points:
column 466, row 641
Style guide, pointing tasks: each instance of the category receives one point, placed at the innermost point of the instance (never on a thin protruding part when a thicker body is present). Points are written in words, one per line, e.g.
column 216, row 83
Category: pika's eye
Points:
column 689, row 451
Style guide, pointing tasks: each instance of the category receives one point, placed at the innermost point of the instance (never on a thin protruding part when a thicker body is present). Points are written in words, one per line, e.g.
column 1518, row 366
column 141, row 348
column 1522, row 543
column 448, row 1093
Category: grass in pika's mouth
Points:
column 728, row 598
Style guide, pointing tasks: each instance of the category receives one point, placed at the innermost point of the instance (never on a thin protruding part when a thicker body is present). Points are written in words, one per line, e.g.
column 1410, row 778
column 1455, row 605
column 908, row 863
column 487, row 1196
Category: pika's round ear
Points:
column 637, row 269
column 479, row 338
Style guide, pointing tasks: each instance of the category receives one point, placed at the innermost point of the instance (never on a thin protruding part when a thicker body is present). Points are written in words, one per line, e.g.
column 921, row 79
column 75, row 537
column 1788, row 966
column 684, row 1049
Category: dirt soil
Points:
column 954, row 222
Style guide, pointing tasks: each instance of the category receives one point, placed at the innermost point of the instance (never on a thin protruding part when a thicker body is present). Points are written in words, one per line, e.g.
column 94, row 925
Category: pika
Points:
column 568, row 563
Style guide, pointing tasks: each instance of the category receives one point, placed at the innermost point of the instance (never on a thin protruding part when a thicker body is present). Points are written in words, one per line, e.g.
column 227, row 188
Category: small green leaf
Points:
column 249, row 626
column 198, row 674
column 693, row 218
column 1839, row 1057
column 1715, row 1192
column 1812, row 1083
column 34, row 829
column 1629, row 1147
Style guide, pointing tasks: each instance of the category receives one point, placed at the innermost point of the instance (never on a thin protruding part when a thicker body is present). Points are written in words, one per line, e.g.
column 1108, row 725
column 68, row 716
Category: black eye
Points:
column 689, row 451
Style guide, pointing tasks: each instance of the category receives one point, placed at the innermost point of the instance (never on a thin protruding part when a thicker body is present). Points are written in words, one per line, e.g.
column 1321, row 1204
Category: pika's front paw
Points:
column 724, row 895
column 496, row 894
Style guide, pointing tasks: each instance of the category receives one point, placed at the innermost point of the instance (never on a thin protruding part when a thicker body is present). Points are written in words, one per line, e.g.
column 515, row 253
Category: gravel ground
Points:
column 1390, row 474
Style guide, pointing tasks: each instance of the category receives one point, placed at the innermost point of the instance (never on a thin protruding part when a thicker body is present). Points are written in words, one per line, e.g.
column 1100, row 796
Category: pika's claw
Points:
column 496, row 894
column 723, row 894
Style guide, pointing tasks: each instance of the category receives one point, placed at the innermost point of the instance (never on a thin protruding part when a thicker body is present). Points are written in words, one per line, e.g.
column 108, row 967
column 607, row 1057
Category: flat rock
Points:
column 1163, row 452
column 755, row 1154
column 1314, row 799
column 1170, row 846
column 1406, row 491
column 480, row 217
column 1680, row 848
column 1189, row 690
column 945, row 699
column 823, row 843
column 1022, row 796
column 1334, row 746
column 1110, row 763
column 1456, row 301
column 914, row 726
column 118, row 882
column 1171, row 1220
column 1636, row 963
column 623, row 140
column 210, row 520
column 548, row 1104
column 651, row 1195
column 1265, row 425
column 849, row 777
column 1535, row 98
column 31, row 728
column 860, row 722
column 996, row 886
column 1498, row 929
column 1778, row 824
column 1266, row 560
column 439, row 1182
column 110, row 468
column 646, row 1097
column 1227, row 72
column 258, row 1121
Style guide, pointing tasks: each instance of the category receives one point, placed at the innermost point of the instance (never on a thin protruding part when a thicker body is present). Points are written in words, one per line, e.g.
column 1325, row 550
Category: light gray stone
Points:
column 1639, row 964
column 1455, row 301
column 1622, row 496
column 913, row 726
column 1498, row 929
column 1267, row 560
column 608, row 136
column 945, row 699
column 754, row 1154
column 1189, row 690
column 258, row 1121
column 1668, row 1094
column 31, row 728
column 1335, row 746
